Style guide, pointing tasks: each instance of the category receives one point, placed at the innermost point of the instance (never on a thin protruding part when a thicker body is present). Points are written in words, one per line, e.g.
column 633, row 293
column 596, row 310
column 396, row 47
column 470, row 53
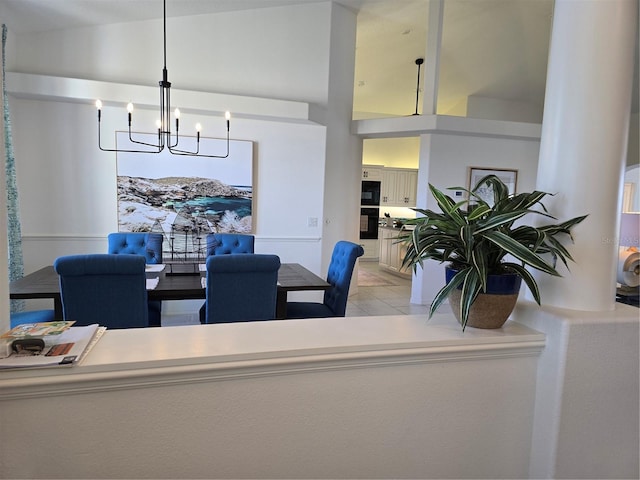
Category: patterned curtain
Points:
column 14, row 233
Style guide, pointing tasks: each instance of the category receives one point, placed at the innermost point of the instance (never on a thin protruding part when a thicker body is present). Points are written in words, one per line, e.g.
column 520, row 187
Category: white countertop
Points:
column 252, row 344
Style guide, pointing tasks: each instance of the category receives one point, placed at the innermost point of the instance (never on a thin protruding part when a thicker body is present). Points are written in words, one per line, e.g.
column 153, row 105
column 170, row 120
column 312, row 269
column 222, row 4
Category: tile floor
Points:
column 389, row 296
column 389, row 299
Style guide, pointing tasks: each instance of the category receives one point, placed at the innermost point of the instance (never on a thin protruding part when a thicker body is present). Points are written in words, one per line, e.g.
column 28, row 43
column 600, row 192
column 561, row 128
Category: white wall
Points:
column 500, row 109
column 266, row 52
column 68, row 188
column 402, row 152
column 633, row 146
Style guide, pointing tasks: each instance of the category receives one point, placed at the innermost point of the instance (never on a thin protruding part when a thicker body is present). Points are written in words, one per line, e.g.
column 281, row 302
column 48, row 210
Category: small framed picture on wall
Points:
column 508, row 177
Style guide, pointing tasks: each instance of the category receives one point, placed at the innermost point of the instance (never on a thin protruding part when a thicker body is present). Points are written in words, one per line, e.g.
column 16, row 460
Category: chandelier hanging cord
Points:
column 163, row 124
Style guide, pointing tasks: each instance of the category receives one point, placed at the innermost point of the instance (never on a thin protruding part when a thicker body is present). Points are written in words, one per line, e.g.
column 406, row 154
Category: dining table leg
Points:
column 57, row 308
column 281, row 305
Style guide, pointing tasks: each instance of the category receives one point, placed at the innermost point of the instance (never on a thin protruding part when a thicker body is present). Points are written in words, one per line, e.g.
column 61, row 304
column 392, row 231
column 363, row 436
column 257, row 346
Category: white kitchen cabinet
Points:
column 391, row 252
column 388, row 188
column 399, row 187
column 407, row 187
column 372, row 172
column 384, row 236
column 371, row 249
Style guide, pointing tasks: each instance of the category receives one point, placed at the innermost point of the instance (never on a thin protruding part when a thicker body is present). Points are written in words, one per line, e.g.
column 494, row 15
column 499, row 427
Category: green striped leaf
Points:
column 521, row 252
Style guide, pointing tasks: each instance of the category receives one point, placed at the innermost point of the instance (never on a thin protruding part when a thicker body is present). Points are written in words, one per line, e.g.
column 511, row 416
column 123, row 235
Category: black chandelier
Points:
column 165, row 137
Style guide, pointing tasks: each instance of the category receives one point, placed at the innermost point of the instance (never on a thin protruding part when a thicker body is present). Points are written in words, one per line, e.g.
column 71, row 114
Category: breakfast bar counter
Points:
column 275, row 399
column 155, row 352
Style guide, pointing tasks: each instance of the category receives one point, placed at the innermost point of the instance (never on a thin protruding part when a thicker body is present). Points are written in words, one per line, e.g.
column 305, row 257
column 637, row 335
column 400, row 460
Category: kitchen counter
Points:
column 392, row 252
column 390, row 227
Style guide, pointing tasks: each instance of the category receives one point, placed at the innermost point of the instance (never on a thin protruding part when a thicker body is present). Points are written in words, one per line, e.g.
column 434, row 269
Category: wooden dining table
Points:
column 44, row 283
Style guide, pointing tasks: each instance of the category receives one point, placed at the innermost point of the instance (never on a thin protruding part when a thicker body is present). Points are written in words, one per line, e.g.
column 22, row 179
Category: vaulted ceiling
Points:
column 490, row 48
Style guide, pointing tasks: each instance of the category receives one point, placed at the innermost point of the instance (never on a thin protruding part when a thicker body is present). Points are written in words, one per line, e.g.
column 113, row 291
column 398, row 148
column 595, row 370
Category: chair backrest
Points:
column 225, row 243
column 149, row 245
column 103, row 288
column 241, row 287
column 343, row 260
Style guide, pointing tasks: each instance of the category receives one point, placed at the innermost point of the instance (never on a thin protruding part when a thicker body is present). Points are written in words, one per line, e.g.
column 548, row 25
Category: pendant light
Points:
column 419, row 62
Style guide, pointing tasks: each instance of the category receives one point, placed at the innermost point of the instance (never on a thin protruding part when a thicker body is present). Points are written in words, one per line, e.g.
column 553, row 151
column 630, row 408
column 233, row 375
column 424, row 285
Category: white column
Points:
column 343, row 163
column 584, row 140
column 429, row 279
column 432, row 60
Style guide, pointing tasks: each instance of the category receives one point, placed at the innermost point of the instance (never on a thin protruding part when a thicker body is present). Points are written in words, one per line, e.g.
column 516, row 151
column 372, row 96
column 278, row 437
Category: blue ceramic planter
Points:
column 490, row 309
column 505, row 284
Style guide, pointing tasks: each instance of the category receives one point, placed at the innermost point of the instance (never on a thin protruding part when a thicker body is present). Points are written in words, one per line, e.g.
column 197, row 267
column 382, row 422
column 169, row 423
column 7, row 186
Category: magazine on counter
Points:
column 64, row 349
column 37, row 330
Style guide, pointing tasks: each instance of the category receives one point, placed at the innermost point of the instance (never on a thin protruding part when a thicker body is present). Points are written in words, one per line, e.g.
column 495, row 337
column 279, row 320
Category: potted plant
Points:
column 474, row 237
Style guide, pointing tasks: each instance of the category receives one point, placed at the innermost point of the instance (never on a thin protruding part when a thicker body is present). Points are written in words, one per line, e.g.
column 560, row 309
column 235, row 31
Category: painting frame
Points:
column 508, row 176
column 185, row 197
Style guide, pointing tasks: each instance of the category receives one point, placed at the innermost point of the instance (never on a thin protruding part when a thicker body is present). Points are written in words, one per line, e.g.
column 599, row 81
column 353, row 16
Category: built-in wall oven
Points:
column 370, row 193
column 369, row 218
column 370, row 209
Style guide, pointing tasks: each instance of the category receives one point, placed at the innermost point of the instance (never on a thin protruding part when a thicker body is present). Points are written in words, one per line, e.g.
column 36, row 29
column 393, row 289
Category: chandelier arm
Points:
column 115, row 149
column 121, row 150
column 184, row 152
column 178, row 151
column 146, row 144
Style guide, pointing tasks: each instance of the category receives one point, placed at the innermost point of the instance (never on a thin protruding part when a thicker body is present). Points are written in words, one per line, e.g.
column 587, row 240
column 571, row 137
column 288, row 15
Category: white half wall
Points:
column 356, row 397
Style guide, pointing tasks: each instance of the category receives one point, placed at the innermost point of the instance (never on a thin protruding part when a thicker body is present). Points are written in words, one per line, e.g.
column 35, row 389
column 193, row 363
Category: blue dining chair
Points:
column 149, row 245
column 241, row 287
column 107, row 289
column 343, row 260
column 225, row 243
column 31, row 316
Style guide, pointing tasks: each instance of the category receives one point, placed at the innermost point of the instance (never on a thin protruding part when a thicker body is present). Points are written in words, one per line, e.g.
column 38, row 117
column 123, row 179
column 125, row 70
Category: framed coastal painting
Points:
column 185, row 197
column 508, row 177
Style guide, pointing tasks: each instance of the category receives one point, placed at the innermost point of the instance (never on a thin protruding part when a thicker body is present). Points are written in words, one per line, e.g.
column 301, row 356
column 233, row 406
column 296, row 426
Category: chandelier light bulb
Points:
column 227, row 116
column 130, row 107
column 158, row 124
column 177, row 113
column 99, row 104
column 198, row 127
